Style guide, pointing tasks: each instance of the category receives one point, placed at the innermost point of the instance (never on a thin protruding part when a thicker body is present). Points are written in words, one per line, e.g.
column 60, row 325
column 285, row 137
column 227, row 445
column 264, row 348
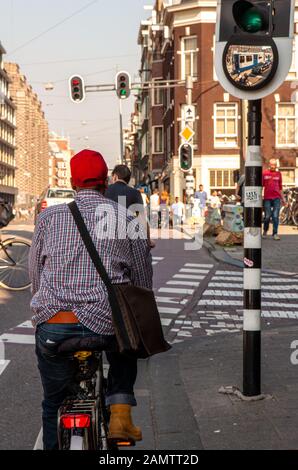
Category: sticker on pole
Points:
column 253, row 196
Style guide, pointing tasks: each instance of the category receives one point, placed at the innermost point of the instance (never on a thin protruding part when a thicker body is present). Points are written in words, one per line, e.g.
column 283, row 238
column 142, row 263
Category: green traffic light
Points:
column 249, row 18
column 123, row 93
column 252, row 21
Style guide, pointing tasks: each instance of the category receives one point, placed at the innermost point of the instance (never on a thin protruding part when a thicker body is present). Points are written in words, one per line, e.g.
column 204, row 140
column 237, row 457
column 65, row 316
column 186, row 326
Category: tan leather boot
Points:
column 121, row 425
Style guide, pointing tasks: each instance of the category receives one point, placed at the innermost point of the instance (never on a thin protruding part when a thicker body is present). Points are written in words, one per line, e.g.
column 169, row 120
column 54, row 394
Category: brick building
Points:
column 177, row 41
column 32, row 140
column 8, row 189
column 59, row 161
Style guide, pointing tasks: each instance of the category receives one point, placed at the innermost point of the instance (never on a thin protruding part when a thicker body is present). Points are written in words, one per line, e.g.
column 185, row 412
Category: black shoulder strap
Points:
column 100, row 269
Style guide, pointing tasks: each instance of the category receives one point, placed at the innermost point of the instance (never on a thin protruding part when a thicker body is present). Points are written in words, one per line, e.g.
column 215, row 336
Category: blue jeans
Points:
column 272, row 209
column 57, row 374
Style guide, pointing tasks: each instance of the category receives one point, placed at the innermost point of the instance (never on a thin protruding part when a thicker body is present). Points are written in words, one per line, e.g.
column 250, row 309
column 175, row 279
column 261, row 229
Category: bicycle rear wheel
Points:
column 283, row 216
column 14, row 257
column 295, row 215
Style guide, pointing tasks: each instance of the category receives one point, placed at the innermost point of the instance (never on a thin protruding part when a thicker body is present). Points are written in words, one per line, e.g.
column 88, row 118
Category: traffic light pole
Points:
column 121, row 133
column 253, row 254
column 189, row 101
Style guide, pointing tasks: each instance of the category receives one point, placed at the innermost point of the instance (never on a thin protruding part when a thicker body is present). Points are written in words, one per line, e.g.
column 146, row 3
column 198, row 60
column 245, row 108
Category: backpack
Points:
column 6, row 214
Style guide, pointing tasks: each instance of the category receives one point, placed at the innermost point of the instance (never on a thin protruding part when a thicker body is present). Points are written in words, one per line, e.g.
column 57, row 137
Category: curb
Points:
column 222, row 256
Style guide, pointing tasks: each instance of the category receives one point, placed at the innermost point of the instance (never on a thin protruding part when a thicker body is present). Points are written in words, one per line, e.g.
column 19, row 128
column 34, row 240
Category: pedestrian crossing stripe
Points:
column 193, row 265
column 172, row 310
column 171, row 300
column 240, row 286
column 265, row 295
column 264, row 280
column 236, row 303
column 237, row 273
column 18, row 339
column 183, row 283
column 194, row 271
column 189, row 276
column 169, row 290
column 3, row 364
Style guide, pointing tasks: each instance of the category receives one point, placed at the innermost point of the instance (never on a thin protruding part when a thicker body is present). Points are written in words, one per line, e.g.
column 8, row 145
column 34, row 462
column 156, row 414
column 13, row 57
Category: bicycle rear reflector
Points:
column 75, row 421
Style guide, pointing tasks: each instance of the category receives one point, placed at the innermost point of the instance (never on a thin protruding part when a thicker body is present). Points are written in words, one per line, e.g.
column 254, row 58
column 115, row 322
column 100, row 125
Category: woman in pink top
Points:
column 273, row 194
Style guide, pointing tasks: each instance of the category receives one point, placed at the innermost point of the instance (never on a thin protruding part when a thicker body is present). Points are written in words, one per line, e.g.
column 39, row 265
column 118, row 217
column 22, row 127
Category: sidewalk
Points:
column 280, row 256
column 180, row 407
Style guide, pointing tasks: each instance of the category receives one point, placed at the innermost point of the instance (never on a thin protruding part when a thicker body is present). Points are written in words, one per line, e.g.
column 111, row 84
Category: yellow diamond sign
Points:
column 187, row 133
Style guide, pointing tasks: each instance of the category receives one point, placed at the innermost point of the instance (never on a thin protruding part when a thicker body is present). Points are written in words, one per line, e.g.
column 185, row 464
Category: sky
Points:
column 52, row 40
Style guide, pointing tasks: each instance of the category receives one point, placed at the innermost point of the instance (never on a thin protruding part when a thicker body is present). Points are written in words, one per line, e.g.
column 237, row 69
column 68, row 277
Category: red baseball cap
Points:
column 88, row 168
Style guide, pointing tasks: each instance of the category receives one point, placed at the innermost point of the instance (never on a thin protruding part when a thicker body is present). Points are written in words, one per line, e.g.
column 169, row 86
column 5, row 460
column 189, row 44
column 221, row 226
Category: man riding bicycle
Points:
column 70, row 299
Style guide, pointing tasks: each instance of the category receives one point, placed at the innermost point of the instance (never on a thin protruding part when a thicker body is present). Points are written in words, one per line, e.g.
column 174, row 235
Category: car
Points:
column 53, row 197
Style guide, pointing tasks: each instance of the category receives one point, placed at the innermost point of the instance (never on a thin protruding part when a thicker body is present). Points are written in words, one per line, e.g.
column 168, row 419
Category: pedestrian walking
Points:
column 178, row 211
column 164, row 210
column 273, row 197
column 120, row 191
column 202, row 196
column 154, row 209
column 215, row 200
column 70, row 298
column 130, row 198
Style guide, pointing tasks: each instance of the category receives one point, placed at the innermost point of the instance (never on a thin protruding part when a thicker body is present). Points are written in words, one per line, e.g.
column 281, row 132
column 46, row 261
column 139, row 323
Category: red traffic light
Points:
column 77, row 89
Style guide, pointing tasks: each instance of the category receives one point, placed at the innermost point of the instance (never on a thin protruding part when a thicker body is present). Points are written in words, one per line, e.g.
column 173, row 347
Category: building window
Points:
column 158, row 143
column 158, row 94
column 286, row 125
column 221, row 179
column 288, row 176
column 225, row 125
column 189, row 57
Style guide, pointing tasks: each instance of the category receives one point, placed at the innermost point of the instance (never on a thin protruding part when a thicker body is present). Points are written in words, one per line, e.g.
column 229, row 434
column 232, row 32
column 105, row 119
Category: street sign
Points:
column 187, row 133
column 189, row 113
column 254, row 44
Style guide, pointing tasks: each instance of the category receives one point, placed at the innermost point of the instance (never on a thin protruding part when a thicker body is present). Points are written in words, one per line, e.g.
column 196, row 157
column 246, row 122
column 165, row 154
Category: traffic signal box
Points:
column 254, row 41
column 123, row 85
column 77, row 89
column 186, row 157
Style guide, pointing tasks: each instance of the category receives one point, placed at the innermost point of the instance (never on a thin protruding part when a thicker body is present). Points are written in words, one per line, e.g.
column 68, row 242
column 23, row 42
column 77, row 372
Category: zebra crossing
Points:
column 220, row 307
column 219, row 310
column 179, row 290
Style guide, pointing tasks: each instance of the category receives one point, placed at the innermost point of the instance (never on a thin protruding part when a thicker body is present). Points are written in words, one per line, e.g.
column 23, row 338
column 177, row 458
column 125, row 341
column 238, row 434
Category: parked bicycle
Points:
column 289, row 213
column 14, row 253
column 83, row 418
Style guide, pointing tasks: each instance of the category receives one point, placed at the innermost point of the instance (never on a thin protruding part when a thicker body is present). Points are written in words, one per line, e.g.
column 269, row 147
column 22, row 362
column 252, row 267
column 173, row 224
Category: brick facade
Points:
column 179, row 39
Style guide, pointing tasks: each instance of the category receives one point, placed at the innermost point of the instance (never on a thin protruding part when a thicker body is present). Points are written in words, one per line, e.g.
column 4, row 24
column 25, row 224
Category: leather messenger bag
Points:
column 135, row 314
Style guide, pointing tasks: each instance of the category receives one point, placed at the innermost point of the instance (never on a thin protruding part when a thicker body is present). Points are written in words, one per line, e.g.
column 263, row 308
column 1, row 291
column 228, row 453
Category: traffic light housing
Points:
column 123, row 85
column 77, row 89
column 254, row 43
column 186, row 157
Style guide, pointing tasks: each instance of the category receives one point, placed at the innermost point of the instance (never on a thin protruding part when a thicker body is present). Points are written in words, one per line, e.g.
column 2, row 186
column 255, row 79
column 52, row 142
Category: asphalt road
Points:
column 196, row 296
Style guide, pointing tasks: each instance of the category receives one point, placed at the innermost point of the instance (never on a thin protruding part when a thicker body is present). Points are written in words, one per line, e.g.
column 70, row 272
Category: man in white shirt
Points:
column 154, row 208
column 178, row 212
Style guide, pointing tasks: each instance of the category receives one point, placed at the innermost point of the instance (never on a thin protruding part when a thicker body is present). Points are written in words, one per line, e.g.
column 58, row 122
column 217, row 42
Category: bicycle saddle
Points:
column 96, row 343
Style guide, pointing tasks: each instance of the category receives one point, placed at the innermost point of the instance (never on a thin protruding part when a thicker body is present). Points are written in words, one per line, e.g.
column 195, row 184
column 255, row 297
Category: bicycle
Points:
column 289, row 213
column 14, row 254
column 83, row 418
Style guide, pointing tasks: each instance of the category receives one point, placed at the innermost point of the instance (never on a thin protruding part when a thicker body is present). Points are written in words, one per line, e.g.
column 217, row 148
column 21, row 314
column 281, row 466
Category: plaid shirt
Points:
column 61, row 270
